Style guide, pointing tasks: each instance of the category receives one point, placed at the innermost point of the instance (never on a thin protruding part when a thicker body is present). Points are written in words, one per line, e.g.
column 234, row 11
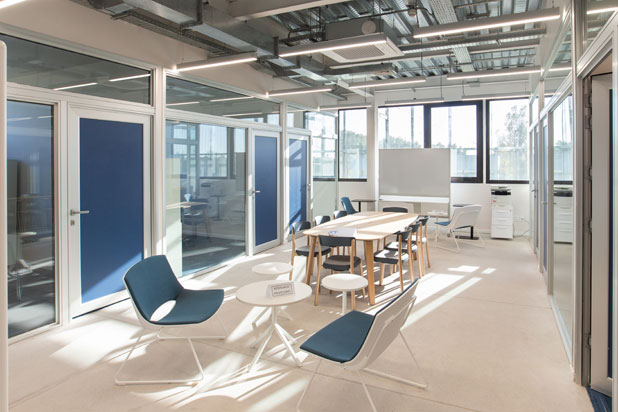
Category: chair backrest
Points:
column 335, row 241
column 339, row 213
column 300, row 226
column 151, row 283
column 318, row 220
column 395, row 209
column 465, row 216
column 423, row 220
column 347, row 205
column 385, row 327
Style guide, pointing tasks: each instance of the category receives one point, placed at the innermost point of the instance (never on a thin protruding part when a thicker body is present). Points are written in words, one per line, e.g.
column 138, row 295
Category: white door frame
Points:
column 298, row 134
column 253, row 248
column 75, row 112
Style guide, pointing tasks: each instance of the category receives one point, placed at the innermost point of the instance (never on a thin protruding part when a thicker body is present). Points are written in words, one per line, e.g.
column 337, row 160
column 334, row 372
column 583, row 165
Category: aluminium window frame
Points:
column 338, row 155
column 488, row 178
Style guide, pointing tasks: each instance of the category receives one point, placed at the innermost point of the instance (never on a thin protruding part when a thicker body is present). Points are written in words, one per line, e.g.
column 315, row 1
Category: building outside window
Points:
column 401, row 127
column 353, row 144
column 508, row 140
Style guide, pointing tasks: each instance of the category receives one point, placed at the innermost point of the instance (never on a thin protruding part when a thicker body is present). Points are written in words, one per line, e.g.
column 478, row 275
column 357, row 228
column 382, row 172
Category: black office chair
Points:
column 395, row 209
column 338, row 263
column 414, row 246
column 396, row 253
column 423, row 238
column 318, row 220
column 339, row 213
column 298, row 227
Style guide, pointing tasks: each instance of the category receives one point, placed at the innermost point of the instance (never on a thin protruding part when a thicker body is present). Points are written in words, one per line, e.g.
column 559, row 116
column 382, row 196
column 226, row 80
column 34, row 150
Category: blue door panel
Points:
column 111, row 188
column 298, row 181
column 266, row 185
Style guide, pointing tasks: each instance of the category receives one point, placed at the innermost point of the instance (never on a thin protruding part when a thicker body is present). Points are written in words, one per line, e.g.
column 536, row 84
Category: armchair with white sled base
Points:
column 150, row 284
column 357, row 339
column 463, row 217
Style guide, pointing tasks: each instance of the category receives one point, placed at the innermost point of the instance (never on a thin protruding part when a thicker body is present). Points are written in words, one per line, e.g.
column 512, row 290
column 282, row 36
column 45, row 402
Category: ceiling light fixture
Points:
column 7, row 3
column 344, row 106
column 229, row 99
column 601, row 7
column 387, row 82
column 181, row 103
column 217, row 62
column 329, row 45
column 493, row 73
column 412, row 102
column 488, row 23
column 561, row 68
column 137, row 76
column 75, row 86
column 302, row 90
column 494, row 97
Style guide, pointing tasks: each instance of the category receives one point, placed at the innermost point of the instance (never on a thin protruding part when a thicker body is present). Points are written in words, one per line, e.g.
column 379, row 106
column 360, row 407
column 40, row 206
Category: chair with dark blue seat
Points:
column 422, row 238
column 357, row 339
column 298, row 227
column 347, row 205
column 339, row 213
column 152, row 283
column 337, row 262
column 397, row 253
column 395, row 209
column 318, row 220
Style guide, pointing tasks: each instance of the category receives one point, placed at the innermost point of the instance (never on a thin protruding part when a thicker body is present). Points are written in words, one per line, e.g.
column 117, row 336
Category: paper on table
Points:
column 344, row 232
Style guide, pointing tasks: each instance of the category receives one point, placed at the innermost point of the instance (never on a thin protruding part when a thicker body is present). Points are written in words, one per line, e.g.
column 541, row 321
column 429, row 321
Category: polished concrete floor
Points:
column 483, row 333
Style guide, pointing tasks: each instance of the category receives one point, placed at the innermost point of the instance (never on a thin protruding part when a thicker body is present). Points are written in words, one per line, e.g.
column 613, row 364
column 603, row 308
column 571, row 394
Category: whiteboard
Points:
column 415, row 172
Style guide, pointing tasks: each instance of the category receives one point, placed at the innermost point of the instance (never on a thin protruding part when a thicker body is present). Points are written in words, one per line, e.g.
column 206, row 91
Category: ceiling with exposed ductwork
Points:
column 268, row 27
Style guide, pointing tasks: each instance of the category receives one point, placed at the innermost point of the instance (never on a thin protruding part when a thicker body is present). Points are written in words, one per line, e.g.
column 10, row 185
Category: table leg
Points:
column 370, row 275
column 258, row 354
column 359, row 206
column 281, row 332
column 310, row 260
column 344, row 297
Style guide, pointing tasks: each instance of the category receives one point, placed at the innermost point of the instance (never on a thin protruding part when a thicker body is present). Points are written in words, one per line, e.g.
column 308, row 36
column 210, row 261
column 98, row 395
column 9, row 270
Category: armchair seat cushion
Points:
column 341, row 340
column 304, row 250
column 193, row 306
column 445, row 223
column 340, row 263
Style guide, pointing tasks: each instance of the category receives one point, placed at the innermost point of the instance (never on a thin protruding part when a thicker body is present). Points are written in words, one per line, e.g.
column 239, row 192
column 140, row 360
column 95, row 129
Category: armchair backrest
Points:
column 151, row 283
column 386, row 325
column 465, row 216
column 347, row 205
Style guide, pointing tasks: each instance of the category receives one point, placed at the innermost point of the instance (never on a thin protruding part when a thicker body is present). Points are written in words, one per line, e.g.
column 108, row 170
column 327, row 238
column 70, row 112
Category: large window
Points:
column 353, row 144
column 507, row 141
column 30, row 222
column 205, row 195
column 323, row 128
column 401, row 127
column 459, row 127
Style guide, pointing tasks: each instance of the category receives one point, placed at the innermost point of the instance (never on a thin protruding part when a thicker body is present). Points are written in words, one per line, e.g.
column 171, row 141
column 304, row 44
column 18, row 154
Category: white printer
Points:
column 501, row 212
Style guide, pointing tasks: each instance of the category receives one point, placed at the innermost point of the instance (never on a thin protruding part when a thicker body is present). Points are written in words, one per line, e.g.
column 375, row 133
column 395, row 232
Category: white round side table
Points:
column 272, row 269
column 345, row 282
column 256, row 294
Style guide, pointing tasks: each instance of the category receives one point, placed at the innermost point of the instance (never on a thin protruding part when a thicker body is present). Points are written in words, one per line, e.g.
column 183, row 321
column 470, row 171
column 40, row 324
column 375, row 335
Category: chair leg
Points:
column 381, row 273
column 308, row 384
column 317, row 288
column 373, row 407
column 426, row 247
column 353, row 299
column 292, row 263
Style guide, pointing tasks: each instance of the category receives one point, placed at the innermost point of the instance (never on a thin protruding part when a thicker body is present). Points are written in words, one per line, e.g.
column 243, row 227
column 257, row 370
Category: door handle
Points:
column 79, row 212
column 254, row 192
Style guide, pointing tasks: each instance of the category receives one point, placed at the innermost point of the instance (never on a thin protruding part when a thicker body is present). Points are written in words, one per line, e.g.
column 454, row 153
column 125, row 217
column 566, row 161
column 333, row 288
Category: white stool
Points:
column 345, row 282
column 272, row 269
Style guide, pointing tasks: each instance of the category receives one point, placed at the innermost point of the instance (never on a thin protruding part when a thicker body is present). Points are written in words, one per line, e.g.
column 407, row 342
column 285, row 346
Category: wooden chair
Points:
column 423, row 238
column 336, row 262
column 298, row 227
column 318, row 220
column 414, row 247
column 396, row 253
column 339, row 213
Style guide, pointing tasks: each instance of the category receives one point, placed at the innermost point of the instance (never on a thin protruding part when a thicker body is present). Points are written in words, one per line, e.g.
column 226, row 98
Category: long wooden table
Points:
column 369, row 226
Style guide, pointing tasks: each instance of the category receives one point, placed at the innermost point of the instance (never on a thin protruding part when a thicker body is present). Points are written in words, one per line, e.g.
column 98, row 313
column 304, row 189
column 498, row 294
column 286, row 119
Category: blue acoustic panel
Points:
column 111, row 188
column 266, row 184
column 298, row 180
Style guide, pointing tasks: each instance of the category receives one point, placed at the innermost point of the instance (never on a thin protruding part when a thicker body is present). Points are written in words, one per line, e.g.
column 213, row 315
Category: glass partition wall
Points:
column 323, row 127
column 205, row 194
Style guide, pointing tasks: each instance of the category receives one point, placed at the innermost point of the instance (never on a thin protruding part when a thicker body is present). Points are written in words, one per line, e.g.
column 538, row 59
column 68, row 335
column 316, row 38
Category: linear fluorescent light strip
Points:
column 181, row 104
column 601, row 7
column 217, row 62
column 560, row 69
column 229, row 99
column 412, row 102
column 486, row 97
column 599, row 11
column 319, row 49
column 137, row 76
column 492, row 22
column 344, row 107
column 249, row 114
column 492, row 73
column 75, row 86
column 297, row 91
column 385, row 83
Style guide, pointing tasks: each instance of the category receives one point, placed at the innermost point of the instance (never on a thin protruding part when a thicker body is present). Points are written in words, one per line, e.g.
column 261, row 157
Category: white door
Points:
column 108, row 204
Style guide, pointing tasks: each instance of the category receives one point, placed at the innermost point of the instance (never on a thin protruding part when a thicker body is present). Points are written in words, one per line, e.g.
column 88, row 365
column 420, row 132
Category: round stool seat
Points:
column 272, row 268
column 344, row 282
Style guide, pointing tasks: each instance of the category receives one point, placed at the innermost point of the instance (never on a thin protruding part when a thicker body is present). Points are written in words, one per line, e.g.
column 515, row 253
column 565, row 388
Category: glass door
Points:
column 298, row 179
column 545, row 199
column 31, row 231
column 109, row 204
column 265, row 192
